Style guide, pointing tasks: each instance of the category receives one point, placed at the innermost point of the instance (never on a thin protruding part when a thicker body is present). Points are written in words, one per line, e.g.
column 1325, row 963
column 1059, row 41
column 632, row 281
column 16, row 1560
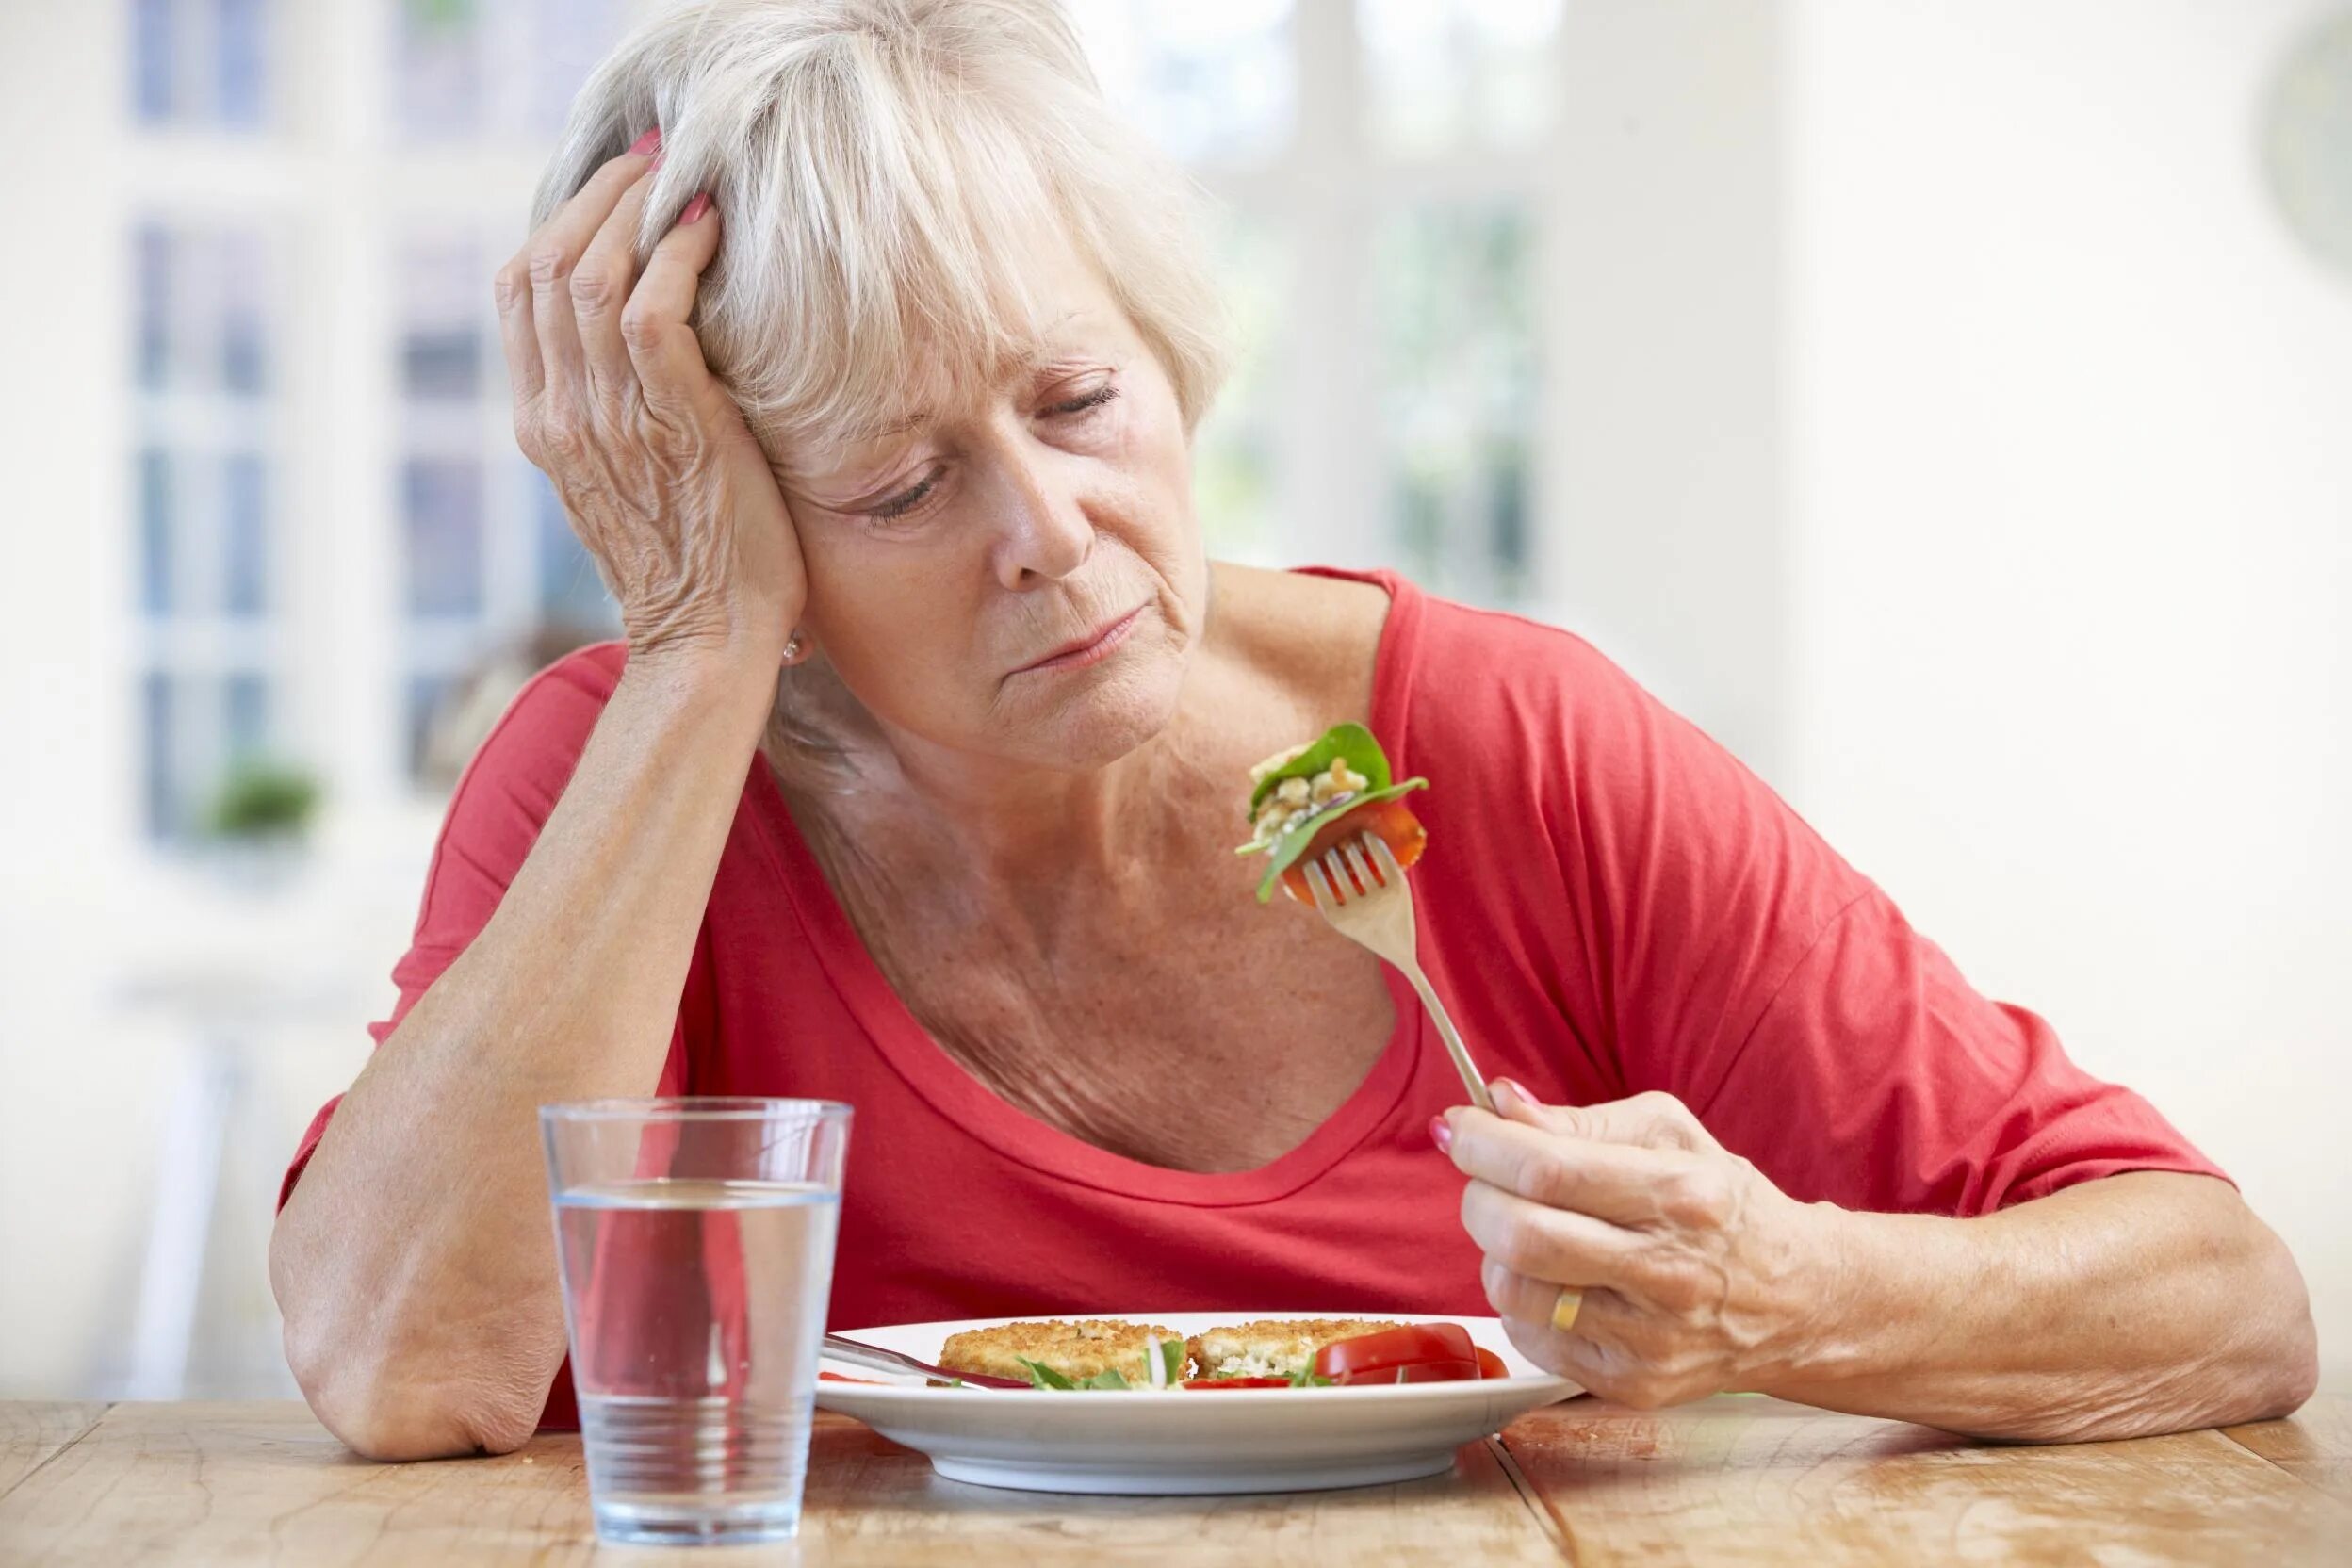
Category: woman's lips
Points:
column 1091, row 649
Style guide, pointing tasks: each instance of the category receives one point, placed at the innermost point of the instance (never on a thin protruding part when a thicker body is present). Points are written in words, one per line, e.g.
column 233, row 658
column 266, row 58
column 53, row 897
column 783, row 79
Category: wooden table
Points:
column 1736, row 1480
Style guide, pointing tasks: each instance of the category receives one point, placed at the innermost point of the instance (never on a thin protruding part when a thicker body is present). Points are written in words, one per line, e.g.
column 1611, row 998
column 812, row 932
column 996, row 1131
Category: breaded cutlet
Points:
column 1078, row 1350
column 1273, row 1347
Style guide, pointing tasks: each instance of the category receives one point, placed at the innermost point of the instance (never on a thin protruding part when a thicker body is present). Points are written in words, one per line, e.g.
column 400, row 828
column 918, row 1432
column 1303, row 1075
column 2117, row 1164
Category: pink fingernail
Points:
column 647, row 142
column 695, row 209
column 1509, row 1085
column 1442, row 1134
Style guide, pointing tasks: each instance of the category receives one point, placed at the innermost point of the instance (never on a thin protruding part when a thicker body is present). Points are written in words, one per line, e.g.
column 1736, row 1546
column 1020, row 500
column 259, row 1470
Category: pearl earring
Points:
column 792, row 647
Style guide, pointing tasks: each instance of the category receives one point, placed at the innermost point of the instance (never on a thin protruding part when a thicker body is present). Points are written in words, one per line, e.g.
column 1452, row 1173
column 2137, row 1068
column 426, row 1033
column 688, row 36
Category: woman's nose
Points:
column 1046, row 534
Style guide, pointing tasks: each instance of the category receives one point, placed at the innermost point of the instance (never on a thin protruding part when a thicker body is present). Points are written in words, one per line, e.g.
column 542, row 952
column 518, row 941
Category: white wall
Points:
column 2072, row 556
column 1665, row 507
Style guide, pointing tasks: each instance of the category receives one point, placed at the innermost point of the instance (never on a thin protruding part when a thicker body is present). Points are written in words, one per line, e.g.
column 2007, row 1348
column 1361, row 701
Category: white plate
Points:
column 1237, row 1440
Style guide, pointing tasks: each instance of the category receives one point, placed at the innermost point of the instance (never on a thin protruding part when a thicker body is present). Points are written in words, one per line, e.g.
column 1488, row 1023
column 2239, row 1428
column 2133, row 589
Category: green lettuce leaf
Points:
column 1042, row 1376
column 1286, row 850
column 1110, row 1378
column 1351, row 741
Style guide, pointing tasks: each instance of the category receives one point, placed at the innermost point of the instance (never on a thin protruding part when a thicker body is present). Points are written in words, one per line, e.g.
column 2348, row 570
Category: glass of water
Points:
column 695, row 1237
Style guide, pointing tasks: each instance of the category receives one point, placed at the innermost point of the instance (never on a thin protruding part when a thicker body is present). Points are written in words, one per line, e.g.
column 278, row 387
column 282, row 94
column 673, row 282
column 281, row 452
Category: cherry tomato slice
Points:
column 1392, row 820
column 1234, row 1383
column 1490, row 1365
column 1421, row 1353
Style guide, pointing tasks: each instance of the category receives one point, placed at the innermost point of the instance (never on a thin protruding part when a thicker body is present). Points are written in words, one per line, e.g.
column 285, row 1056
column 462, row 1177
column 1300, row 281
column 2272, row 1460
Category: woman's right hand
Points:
column 649, row 454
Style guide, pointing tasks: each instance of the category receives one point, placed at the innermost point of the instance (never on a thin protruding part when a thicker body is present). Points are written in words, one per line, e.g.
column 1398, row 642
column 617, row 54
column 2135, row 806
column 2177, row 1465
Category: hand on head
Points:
column 650, row 456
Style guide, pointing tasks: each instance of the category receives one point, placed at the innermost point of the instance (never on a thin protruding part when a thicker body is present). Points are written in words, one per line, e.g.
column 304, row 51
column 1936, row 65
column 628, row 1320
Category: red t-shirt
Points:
column 1610, row 902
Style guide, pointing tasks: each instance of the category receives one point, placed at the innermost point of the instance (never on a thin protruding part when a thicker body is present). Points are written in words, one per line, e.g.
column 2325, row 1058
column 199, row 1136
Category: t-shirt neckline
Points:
column 980, row 1113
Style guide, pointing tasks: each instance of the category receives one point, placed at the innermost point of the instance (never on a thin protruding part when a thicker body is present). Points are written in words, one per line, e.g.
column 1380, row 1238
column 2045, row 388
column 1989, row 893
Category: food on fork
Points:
column 1092, row 1352
column 1315, row 797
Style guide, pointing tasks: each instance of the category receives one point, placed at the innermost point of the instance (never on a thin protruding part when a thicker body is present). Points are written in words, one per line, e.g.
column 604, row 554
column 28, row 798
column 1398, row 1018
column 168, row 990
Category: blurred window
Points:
column 488, row 559
column 1209, row 80
column 570, row 592
column 443, row 311
column 156, row 554
column 1449, row 76
column 535, row 52
column 439, row 78
column 1458, row 383
column 245, row 706
column 441, row 505
column 201, row 63
column 205, row 469
column 245, row 535
column 1377, row 161
column 1236, row 451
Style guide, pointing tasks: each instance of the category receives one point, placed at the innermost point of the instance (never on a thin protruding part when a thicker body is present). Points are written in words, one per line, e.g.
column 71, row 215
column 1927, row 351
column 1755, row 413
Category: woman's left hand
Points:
column 1696, row 1274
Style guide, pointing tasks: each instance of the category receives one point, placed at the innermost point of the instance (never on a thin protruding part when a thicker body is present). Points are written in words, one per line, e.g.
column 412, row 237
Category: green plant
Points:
column 262, row 800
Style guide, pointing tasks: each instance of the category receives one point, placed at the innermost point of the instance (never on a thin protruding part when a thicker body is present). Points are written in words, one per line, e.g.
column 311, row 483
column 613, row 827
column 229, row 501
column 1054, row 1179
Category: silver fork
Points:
column 1376, row 913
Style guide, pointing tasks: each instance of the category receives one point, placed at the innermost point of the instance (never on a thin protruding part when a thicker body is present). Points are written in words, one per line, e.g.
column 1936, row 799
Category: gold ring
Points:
column 1564, row 1309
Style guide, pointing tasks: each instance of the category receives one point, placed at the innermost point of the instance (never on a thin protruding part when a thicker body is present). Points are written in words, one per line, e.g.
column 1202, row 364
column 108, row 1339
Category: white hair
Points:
column 884, row 170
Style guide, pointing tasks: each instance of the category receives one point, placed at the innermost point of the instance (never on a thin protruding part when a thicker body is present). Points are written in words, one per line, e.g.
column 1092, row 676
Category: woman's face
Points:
column 1017, row 572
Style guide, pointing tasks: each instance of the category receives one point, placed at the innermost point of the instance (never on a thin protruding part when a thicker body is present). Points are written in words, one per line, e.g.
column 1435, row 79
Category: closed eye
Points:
column 1095, row 398
column 905, row 500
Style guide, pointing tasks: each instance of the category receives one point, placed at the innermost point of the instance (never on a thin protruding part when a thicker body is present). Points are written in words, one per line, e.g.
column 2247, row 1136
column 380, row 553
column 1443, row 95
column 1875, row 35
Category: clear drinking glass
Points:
column 695, row 1237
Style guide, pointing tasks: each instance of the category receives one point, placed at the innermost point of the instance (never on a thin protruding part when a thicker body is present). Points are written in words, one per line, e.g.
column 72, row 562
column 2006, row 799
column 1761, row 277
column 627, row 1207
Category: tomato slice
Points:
column 1490, row 1365
column 1391, row 820
column 1234, row 1383
column 1415, row 1353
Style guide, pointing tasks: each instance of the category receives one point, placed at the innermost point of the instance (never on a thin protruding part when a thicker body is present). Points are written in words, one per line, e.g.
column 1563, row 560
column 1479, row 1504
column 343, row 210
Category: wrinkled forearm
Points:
column 415, row 1261
column 2142, row 1303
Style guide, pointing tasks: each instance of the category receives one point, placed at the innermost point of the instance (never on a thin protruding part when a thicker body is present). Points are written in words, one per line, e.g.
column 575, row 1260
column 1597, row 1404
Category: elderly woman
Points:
column 865, row 347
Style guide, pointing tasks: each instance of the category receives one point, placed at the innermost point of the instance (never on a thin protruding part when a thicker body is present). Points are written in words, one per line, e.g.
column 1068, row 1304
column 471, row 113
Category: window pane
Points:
column 152, row 268
column 158, row 775
column 1458, row 385
column 1234, row 455
column 1444, row 74
column 245, row 707
column 567, row 38
column 444, row 291
column 241, row 36
column 155, row 554
column 150, row 59
column 1207, row 80
column 570, row 592
column 244, row 282
column 442, row 507
column 244, row 535
column 439, row 66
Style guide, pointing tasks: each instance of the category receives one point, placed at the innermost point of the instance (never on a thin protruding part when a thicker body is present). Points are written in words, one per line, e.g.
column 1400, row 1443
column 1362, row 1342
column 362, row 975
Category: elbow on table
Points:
column 2262, row 1361
column 387, row 1406
column 2292, row 1361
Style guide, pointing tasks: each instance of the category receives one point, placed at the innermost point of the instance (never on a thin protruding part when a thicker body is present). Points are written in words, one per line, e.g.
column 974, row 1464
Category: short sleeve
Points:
column 1882, row 1080
column 506, row 795
column 1745, row 968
